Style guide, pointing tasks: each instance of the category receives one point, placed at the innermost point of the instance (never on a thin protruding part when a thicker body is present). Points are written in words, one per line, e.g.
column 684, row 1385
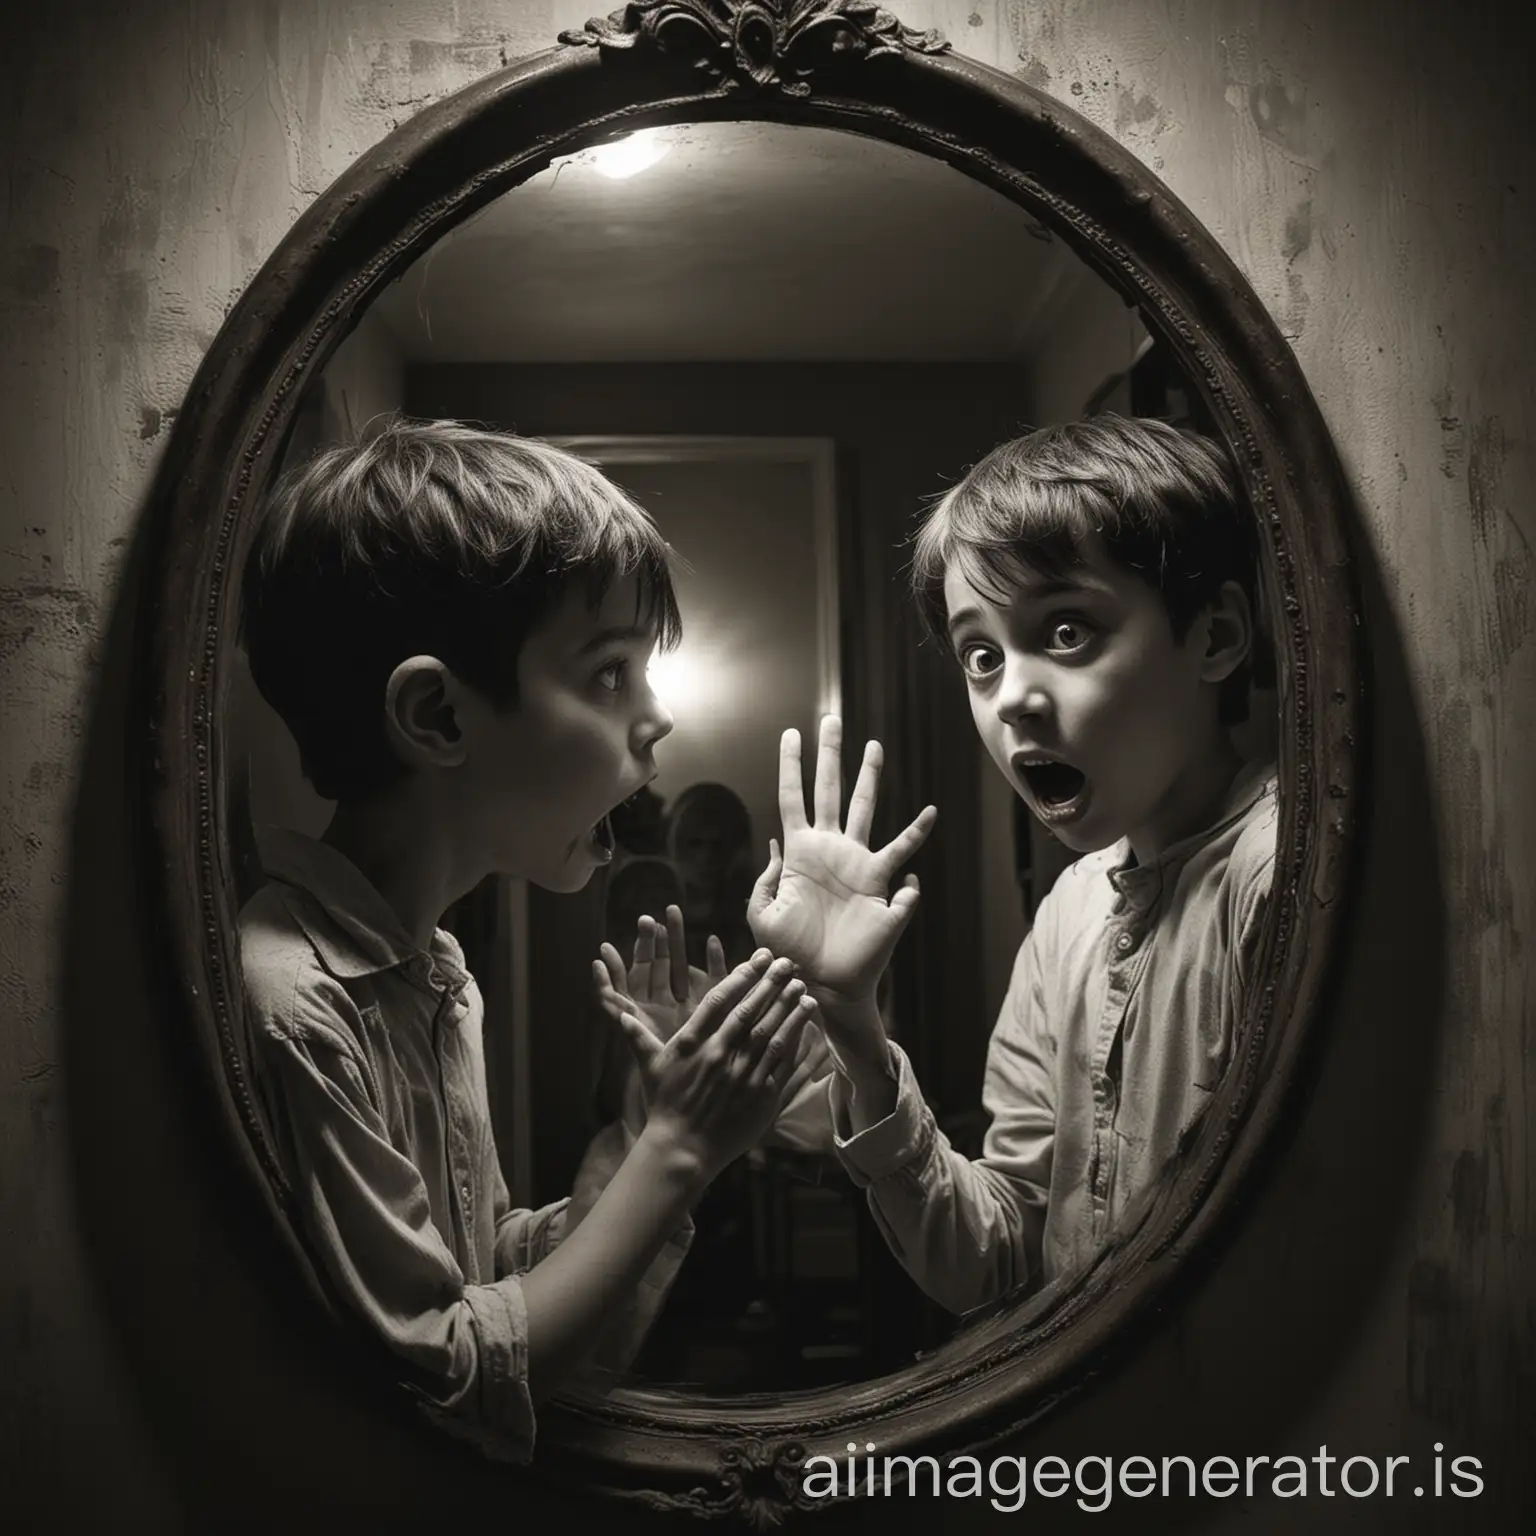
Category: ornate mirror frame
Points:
column 848, row 65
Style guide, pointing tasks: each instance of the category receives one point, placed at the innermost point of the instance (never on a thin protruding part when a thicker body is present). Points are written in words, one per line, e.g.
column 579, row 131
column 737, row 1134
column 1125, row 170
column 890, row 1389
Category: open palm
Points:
column 662, row 991
column 660, row 987
column 824, row 901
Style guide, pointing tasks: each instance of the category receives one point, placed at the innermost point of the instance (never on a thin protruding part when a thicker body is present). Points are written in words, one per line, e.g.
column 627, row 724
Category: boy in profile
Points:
column 455, row 626
column 1095, row 584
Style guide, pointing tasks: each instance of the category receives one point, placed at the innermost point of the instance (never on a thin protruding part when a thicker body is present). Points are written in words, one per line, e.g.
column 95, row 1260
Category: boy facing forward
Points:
column 1095, row 584
column 455, row 626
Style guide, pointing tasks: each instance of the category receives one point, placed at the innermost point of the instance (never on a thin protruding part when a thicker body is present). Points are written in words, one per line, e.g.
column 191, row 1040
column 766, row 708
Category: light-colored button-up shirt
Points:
column 367, row 1055
column 1117, row 1027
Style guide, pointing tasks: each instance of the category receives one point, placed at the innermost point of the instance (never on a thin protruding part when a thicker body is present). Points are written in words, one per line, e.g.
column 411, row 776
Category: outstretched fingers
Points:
column 866, row 791
column 645, row 942
column 715, row 1010
column 677, row 947
column 903, row 902
column 650, row 957
column 905, row 843
column 714, row 959
column 829, row 775
column 699, row 982
column 613, row 999
column 777, row 1041
column 642, row 1042
column 745, row 1018
column 658, row 984
column 791, row 785
column 616, row 976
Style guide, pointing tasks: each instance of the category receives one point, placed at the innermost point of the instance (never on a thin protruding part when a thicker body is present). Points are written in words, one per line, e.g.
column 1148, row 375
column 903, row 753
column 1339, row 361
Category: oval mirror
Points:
column 786, row 285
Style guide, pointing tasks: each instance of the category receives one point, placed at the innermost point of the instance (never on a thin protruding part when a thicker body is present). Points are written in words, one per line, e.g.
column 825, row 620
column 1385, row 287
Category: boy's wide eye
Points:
column 979, row 660
column 612, row 675
column 1068, row 636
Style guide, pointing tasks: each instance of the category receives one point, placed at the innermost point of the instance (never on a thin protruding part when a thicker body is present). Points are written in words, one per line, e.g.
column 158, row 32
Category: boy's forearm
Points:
column 857, row 1036
column 571, row 1295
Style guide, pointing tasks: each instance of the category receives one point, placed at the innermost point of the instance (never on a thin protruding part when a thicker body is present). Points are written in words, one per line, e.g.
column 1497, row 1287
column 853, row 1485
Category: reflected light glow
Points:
column 630, row 155
column 682, row 680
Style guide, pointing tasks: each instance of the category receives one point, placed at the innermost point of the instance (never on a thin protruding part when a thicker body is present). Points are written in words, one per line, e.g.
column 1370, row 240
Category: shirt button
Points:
column 464, row 1190
column 1124, row 942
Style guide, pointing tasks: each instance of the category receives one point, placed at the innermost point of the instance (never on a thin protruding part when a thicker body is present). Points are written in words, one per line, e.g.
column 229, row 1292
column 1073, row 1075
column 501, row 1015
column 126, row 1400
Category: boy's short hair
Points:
column 1162, row 502
column 425, row 538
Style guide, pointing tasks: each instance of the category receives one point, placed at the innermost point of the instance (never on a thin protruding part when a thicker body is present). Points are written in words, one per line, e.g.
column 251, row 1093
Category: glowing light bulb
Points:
column 630, row 155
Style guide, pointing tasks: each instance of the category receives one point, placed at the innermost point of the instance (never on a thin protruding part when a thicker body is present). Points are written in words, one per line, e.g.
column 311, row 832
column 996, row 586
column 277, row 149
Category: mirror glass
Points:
column 786, row 344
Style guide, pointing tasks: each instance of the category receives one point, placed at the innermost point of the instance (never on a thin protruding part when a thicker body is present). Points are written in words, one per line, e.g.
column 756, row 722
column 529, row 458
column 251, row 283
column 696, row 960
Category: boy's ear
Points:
column 421, row 714
column 1226, row 633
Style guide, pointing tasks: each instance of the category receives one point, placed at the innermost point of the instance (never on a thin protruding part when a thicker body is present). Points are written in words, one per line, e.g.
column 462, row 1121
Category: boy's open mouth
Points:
column 603, row 840
column 1059, row 791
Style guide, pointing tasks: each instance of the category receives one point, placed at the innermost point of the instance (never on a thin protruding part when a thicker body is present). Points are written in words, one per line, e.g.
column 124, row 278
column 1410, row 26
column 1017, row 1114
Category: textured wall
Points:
column 1366, row 164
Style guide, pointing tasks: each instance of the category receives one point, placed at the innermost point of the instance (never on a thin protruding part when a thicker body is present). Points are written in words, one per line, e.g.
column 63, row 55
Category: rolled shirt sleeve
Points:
column 968, row 1232
column 366, row 1210
column 367, row 1056
column 1126, row 999
column 526, row 1238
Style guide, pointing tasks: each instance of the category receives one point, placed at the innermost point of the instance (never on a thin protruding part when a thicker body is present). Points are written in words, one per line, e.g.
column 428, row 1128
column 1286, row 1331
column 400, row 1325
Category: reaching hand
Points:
column 662, row 990
column 716, row 1086
column 822, row 902
column 661, row 987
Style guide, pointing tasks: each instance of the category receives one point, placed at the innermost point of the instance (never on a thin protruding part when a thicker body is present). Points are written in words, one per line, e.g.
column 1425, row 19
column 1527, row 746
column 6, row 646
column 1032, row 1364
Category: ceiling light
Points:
column 630, row 155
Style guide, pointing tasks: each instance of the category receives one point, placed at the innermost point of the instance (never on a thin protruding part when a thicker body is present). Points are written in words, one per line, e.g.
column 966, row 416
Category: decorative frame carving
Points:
column 759, row 44
column 850, row 65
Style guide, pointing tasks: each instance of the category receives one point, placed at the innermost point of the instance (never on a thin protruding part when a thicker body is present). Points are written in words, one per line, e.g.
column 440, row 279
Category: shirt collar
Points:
column 353, row 929
column 1254, row 780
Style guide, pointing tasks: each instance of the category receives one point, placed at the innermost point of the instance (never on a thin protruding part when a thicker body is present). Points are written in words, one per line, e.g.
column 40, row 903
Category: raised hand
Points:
column 660, row 986
column 824, row 901
column 716, row 1086
column 662, row 990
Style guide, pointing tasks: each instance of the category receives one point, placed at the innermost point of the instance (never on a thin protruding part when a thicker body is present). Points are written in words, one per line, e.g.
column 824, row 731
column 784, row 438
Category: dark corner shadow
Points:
column 251, row 1401
column 1244, row 1361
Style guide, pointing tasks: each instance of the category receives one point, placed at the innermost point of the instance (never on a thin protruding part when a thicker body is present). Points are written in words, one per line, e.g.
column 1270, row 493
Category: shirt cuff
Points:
column 501, row 1425
column 900, row 1141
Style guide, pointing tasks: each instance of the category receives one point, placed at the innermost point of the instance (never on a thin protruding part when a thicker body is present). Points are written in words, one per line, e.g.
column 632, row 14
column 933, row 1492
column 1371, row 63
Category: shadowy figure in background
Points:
column 709, row 837
column 642, row 888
